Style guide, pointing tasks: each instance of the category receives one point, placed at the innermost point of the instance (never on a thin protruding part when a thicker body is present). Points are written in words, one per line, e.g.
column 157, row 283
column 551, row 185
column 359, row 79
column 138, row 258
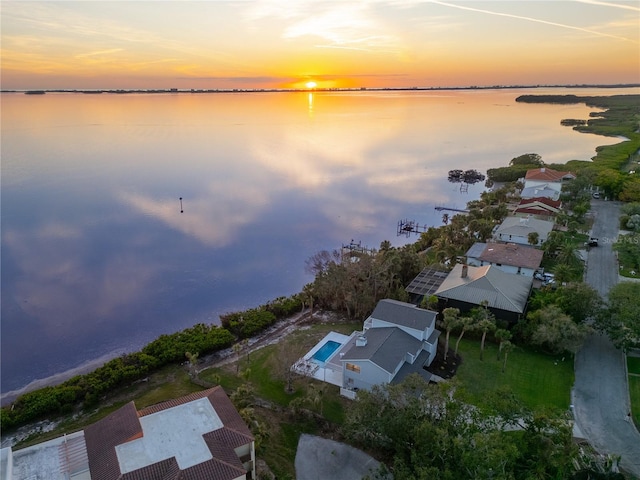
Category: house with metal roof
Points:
column 196, row 437
column 551, row 191
column 467, row 287
column 508, row 257
column 397, row 339
column 518, row 229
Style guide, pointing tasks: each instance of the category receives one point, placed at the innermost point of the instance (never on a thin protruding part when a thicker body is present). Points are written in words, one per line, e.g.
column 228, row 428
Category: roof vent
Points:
column 465, row 271
column 361, row 341
column 542, row 169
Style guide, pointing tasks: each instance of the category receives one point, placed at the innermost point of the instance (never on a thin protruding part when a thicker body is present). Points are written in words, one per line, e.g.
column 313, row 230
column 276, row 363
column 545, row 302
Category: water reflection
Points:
column 98, row 259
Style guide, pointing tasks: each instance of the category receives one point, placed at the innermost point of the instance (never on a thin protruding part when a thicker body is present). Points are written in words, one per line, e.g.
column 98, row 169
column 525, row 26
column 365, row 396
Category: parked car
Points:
column 593, row 242
column 545, row 278
column 596, row 195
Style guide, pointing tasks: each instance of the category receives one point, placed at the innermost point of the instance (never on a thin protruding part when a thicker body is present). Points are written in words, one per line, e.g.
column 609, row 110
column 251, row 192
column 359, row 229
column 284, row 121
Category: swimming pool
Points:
column 326, row 351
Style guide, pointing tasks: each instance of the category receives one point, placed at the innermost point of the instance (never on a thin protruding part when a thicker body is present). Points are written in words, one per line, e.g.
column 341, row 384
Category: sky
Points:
column 254, row 44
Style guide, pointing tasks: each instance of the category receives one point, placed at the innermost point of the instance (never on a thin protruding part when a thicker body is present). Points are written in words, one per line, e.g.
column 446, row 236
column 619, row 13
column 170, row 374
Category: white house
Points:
column 398, row 339
column 517, row 230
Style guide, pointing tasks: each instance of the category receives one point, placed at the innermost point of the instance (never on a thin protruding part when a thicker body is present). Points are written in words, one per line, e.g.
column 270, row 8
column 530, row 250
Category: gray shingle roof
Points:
column 503, row 291
column 386, row 347
column 405, row 314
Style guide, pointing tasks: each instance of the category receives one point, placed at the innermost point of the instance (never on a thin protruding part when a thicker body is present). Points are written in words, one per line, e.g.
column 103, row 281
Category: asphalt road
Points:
column 601, row 392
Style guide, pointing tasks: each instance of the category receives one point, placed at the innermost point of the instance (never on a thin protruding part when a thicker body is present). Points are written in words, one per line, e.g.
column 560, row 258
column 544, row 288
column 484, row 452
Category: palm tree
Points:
column 485, row 322
column 450, row 320
column 315, row 392
column 533, row 238
column 507, row 347
column 502, row 335
column 466, row 323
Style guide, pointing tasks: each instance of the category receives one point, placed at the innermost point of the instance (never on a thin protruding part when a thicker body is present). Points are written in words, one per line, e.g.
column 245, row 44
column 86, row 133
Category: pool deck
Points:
column 329, row 371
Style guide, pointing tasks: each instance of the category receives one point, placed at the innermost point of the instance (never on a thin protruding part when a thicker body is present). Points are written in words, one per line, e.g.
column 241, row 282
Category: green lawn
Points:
column 634, row 393
column 633, row 367
column 633, row 364
column 536, row 379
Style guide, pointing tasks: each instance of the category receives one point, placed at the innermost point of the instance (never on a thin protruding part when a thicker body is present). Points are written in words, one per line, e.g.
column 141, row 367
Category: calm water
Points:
column 98, row 259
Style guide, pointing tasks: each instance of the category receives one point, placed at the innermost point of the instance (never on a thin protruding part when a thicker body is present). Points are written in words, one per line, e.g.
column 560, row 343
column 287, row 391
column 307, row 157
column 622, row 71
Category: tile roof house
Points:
column 508, row 257
column 517, row 230
column 538, row 207
column 467, row 287
column 197, row 437
column 397, row 339
column 541, row 182
column 545, row 175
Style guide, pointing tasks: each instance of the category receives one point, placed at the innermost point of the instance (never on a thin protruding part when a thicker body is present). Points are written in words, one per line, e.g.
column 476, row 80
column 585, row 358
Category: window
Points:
column 352, row 367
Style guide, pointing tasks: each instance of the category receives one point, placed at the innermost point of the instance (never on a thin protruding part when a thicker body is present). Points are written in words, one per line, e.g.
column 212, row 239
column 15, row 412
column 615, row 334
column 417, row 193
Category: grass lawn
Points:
column 634, row 393
column 633, row 367
column 633, row 364
column 537, row 380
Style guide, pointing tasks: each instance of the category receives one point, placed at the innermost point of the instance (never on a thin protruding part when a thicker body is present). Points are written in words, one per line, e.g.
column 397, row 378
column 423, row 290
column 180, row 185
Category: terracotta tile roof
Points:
column 547, row 175
column 102, row 437
column 544, row 200
column 123, row 425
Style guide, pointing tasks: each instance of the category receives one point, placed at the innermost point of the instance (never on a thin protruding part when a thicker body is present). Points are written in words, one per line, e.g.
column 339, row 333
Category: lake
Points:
column 100, row 255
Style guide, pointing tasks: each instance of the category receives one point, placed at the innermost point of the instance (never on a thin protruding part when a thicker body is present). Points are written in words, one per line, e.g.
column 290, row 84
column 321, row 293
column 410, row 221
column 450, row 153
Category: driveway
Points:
column 600, row 392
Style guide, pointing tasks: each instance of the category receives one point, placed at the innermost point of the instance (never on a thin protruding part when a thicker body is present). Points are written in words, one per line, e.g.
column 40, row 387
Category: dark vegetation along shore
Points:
column 528, row 388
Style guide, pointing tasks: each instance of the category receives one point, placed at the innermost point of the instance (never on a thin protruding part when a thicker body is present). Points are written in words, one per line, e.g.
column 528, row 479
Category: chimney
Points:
column 542, row 169
column 361, row 341
column 465, row 270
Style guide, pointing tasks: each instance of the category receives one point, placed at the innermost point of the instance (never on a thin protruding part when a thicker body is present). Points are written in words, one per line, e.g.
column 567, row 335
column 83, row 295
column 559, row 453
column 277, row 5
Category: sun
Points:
column 310, row 85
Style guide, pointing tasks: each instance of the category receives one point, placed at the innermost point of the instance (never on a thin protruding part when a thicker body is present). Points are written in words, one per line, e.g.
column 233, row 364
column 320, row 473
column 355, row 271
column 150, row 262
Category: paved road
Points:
column 601, row 393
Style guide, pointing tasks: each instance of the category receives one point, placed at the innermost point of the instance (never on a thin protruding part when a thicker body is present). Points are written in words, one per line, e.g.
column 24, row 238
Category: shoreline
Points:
column 270, row 335
column 6, row 398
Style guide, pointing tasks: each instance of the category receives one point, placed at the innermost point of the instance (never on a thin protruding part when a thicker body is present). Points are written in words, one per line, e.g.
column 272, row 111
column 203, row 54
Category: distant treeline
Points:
column 87, row 390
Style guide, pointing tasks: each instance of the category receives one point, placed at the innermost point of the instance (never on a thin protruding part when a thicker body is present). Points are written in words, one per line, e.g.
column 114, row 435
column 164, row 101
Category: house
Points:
column 545, row 175
column 397, row 339
column 518, row 229
column 196, row 437
column 542, row 208
column 508, row 257
column 467, row 287
column 544, row 191
column 544, row 182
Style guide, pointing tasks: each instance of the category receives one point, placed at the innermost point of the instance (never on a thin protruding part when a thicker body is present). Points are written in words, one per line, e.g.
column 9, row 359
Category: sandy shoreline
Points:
column 269, row 336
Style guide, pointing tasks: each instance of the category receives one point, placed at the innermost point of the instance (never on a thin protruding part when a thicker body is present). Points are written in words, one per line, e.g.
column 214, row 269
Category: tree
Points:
column 193, row 362
column 579, row 300
column 556, row 331
column 532, row 159
column 465, row 324
column 425, row 432
column 533, row 238
column 315, row 395
column 285, row 357
column 502, row 335
column 237, row 348
column 450, row 320
column 485, row 322
column 621, row 318
column 507, row 347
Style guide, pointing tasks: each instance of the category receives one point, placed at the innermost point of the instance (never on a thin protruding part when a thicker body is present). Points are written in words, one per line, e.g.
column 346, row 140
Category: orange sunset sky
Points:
column 326, row 44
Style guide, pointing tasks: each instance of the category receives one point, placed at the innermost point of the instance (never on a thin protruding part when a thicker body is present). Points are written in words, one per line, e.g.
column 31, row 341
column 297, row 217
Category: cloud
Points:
column 531, row 19
column 99, row 52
